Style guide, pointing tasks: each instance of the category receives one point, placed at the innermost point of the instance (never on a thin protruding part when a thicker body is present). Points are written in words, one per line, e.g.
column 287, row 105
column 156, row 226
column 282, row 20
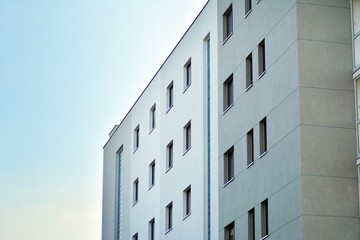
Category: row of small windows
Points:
column 229, row 154
column 228, row 18
column 169, row 103
column 228, row 86
column 169, row 213
column 229, row 230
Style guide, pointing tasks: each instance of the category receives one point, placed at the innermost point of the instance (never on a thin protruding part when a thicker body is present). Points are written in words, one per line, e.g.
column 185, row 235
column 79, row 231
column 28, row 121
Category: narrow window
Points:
column 187, row 137
column 263, row 137
column 261, row 49
column 251, row 224
column 264, row 219
column 169, row 156
column 228, row 93
column 152, row 117
column 230, row 232
column 136, row 137
column 135, row 237
column 152, row 229
column 247, row 7
column 170, row 96
column 187, row 201
column 136, row 191
column 250, row 147
column 187, row 74
column 229, row 165
column 249, row 73
column 227, row 23
column 152, row 174
column 169, row 209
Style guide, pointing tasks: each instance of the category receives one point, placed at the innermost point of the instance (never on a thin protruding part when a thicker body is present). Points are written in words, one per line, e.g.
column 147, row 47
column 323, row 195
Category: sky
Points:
column 69, row 71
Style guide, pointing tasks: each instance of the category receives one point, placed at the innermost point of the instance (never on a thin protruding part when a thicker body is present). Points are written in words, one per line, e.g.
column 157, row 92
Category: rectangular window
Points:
column 169, row 156
column 187, row 201
column 152, row 117
column 229, row 165
column 152, row 229
column 187, row 137
column 169, row 213
column 228, row 97
column 136, row 191
column 136, row 137
column 249, row 72
column 263, row 137
column 135, row 237
column 251, row 224
column 227, row 23
column 230, row 232
column 250, row 147
column 187, row 74
column 264, row 219
column 261, row 51
column 247, row 7
column 152, row 174
column 170, row 95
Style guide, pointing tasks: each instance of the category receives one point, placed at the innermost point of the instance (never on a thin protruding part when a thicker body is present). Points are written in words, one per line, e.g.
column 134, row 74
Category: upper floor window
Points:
column 227, row 23
column 229, row 165
column 230, row 232
column 228, row 95
column 250, row 147
column 152, row 229
column 152, row 117
column 135, row 237
column 152, row 174
column 261, row 58
column 169, row 156
column 263, row 136
column 251, row 224
column 136, row 137
column 249, row 71
column 264, row 219
column 136, row 191
column 170, row 95
column 187, row 137
column 187, row 74
column 247, row 7
column 169, row 217
column 187, row 201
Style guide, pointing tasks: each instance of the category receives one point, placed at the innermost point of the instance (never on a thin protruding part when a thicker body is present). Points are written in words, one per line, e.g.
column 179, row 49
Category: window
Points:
column 169, row 209
column 152, row 174
column 247, row 7
column 170, row 95
column 135, row 237
column 169, row 156
column 228, row 93
column 136, row 137
column 261, row 49
column 152, row 117
column 264, row 219
column 119, row 193
column 187, row 74
column 187, row 201
column 229, row 165
column 249, row 73
column 250, row 147
column 152, row 229
column 187, row 137
column 136, row 191
column 230, row 232
column 356, row 31
column 251, row 224
column 227, row 23
column 357, row 95
column 263, row 137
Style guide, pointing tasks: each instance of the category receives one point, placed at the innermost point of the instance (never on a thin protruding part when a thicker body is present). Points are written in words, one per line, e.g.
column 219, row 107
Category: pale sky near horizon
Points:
column 69, row 71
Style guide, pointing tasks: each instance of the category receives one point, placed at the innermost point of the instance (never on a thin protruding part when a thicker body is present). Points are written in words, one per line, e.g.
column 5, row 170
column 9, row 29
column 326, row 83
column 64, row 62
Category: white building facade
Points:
column 246, row 131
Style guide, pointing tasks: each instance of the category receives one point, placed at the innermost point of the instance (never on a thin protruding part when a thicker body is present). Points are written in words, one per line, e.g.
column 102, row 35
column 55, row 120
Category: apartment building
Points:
column 246, row 131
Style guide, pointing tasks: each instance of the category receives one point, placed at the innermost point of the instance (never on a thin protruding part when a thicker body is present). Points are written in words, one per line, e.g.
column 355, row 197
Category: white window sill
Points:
column 264, row 237
column 151, row 130
column 168, row 231
column 227, row 38
column 263, row 154
column 186, row 216
column 228, row 182
column 169, row 108
column 250, row 164
column 150, row 187
column 168, row 169
column 186, row 88
column 248, row 88
column 227, row 109
column 135, row 149
column 135, row 202
column 262, row 74
column 186, row 151
column 247, row 14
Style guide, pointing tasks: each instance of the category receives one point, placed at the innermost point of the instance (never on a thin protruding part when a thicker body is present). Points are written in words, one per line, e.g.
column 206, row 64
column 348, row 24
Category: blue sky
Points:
column 69, row 71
